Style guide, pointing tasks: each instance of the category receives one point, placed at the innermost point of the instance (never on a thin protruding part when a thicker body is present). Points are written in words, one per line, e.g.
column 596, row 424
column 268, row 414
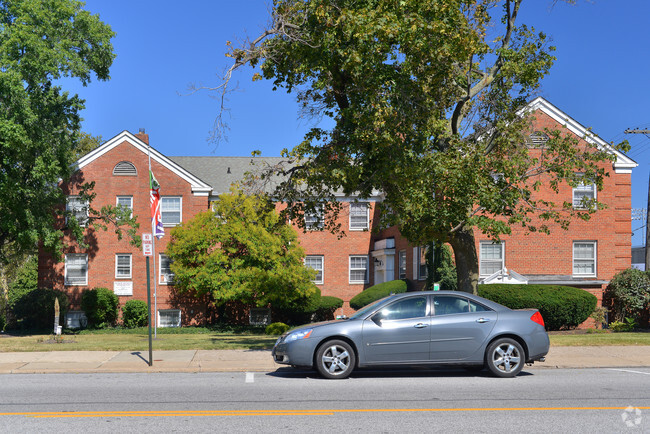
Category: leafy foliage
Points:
column 100, row 306
column 562, row 307
column 242, row 251
column 42, row 42
column 444, row 270
column 426, row 100
column 276, row 328
column 34, row 308
column 135, row 313
column 628, row 295
column 376, row 292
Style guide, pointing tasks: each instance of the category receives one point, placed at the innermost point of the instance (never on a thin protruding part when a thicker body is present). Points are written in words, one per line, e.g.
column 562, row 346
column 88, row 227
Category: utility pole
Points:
column 647, row 232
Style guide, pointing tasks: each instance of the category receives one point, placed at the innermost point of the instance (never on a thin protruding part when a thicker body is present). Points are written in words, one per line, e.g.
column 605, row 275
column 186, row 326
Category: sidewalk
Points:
column 261, row 361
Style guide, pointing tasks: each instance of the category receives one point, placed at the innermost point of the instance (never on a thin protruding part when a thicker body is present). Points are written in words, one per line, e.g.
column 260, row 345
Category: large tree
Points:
column 427, row 101
column 241, row 251
column 40, row 43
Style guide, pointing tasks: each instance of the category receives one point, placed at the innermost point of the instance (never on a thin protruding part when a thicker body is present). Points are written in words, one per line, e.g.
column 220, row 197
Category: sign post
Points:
column 147, row 251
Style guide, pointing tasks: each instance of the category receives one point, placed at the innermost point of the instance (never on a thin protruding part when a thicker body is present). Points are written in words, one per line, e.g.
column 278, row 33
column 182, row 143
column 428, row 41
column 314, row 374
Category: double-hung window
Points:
column 170, row 208
column 125, row 202
column 402, row 264
column 314, row 219
column 316, row 262
column 123, row 266
column 584, row 258
column 491, row 258
column 359, row 269
column 78, row 208
column 358, row 216
column 583, row 192
column 76, row 269
column 166, row 276
column 420, row 270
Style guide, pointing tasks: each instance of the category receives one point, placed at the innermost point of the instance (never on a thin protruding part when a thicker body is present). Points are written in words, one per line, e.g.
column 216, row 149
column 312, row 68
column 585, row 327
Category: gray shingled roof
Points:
column 221, row 172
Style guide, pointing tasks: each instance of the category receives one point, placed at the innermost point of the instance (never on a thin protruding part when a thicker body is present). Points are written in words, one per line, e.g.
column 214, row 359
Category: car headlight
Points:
column 299, row 334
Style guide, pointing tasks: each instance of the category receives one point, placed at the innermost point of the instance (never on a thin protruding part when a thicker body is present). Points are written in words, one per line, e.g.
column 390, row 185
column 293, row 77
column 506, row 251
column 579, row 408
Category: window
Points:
column 125, row 202
column 358, row 216
column 358, row 269
column 420, row 270
column 78, row 208
column 124, row 168
column 537, row 139
column 315, row 262
column 76, row 269
column 402, row 264
column 170, row 207
column 586, row 192
column 314, row 220
column 449, row 305
column 166, row 277
column 414, row 307
column 123, row 266
column 169, row 318
column 490, row 258
column 584, row 258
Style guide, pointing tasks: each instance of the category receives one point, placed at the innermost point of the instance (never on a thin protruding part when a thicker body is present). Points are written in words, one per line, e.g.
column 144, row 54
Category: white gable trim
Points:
column 199, row 188
column 623, row 163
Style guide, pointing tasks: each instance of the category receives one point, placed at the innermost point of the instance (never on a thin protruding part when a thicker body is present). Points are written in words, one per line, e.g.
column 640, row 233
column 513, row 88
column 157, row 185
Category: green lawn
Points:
column 206, row 339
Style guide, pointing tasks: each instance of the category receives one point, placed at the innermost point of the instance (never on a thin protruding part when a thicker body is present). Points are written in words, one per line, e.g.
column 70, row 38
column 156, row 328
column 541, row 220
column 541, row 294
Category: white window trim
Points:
column 322, row 269
column 160, row 275
column 178, row 323
column 594, row 192
column 595, row 258
column 65, row 272
column 399, row 264
column 481, row 260
column 117, row 276
column 117, row 202
column 67, row 208
column 315, row 227
column 350, row 269
column 366, row 205
column 180, row 218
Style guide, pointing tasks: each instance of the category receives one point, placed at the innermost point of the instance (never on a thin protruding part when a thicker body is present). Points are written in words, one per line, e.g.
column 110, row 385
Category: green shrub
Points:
column 34, row 309
column 623, row 326
column 327, row 307
column 100, row 306
column 562, row 307
column 376, row 292
column 628, row 295
column 276, row 328
column 135, row 313
column 444, row 270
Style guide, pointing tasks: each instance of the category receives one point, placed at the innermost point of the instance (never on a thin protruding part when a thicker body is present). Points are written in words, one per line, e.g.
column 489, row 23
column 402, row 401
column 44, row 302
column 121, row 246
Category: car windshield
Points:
column 372, row 306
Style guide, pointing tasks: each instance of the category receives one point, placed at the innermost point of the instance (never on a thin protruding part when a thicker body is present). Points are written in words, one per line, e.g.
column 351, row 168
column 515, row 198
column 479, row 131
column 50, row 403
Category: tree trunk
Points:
column 466, row 260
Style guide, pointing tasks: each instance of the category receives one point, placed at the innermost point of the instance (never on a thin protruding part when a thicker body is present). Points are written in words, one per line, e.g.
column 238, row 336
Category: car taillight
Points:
column 537, row 317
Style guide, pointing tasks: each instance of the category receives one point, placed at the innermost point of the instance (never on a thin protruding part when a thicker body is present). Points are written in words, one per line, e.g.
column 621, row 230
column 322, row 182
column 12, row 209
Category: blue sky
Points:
column 600, row 77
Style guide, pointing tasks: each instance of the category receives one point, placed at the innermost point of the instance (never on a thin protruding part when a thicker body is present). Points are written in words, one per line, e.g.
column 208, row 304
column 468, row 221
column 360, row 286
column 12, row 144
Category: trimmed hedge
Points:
column 376, row 292
column 628, row 296
column 276, row 328
column 135, row 313
column 34, row 309
column 563, row 307
column 100, row 306
column 326, row 308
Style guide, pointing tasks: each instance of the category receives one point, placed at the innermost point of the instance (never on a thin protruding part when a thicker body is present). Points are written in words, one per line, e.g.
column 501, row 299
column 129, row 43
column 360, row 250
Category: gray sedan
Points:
column 415, row 328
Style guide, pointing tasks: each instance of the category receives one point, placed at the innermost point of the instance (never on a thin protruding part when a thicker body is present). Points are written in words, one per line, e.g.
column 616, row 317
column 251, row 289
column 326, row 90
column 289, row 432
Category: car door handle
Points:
column 482, row 320
column 420, row 325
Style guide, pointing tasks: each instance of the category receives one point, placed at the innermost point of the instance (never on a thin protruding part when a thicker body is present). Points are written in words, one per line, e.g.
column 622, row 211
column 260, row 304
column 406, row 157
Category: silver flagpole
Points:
column 155, row 270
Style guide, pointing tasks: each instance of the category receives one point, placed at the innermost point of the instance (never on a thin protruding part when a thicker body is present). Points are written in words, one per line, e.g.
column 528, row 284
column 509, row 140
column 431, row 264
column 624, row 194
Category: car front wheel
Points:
column 335, row 359
column 505, row 357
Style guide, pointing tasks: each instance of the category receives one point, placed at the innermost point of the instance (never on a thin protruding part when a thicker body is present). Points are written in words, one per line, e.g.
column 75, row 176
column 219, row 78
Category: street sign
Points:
column 147, row 244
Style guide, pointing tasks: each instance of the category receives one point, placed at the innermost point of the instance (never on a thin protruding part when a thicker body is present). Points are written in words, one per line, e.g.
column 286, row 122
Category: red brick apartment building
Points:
column 587, row 255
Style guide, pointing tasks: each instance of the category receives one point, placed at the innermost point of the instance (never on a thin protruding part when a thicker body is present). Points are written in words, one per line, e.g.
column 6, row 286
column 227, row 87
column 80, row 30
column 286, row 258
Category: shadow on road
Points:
column 392, row 372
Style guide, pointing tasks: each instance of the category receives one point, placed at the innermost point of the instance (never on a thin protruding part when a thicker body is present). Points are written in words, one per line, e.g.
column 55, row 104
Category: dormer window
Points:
column 537, row 139
column 125, row 168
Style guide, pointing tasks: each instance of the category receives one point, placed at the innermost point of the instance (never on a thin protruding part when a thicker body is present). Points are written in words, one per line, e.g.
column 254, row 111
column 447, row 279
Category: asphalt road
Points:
column 287, row 400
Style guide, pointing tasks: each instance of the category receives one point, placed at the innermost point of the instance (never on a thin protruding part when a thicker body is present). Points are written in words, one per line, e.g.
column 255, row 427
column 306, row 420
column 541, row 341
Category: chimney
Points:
column 142, row 136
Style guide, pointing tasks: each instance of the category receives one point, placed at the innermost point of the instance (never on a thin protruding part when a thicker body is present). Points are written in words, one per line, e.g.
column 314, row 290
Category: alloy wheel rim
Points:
column 506, row 357
column 336, row 360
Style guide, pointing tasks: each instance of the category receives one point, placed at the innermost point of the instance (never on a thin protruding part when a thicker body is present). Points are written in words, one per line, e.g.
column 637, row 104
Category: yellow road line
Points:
column 292, row 412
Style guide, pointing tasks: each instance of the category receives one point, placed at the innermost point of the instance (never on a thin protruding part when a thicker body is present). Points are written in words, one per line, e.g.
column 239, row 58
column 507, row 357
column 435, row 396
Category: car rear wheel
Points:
column 335, row 359
column 505, row 357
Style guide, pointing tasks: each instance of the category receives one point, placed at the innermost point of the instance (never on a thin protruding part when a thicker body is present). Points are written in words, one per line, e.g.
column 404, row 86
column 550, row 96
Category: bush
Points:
column 619, row 326
column 376, row 292
column 444, row 270
column 326, row 308
column 135, row 313
column 100, row 306
column 562, row 307
column 34, row 309
column 276, row 328
column 628, row 295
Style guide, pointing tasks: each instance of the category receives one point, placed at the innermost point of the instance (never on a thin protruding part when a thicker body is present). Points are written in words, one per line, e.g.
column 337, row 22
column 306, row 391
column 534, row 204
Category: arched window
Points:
column 125, row 168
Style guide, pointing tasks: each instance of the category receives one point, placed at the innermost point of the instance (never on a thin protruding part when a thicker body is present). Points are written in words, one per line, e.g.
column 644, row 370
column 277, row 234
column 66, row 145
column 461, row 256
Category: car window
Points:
column 449, row 304
column 475, row 307
column 413, row 307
